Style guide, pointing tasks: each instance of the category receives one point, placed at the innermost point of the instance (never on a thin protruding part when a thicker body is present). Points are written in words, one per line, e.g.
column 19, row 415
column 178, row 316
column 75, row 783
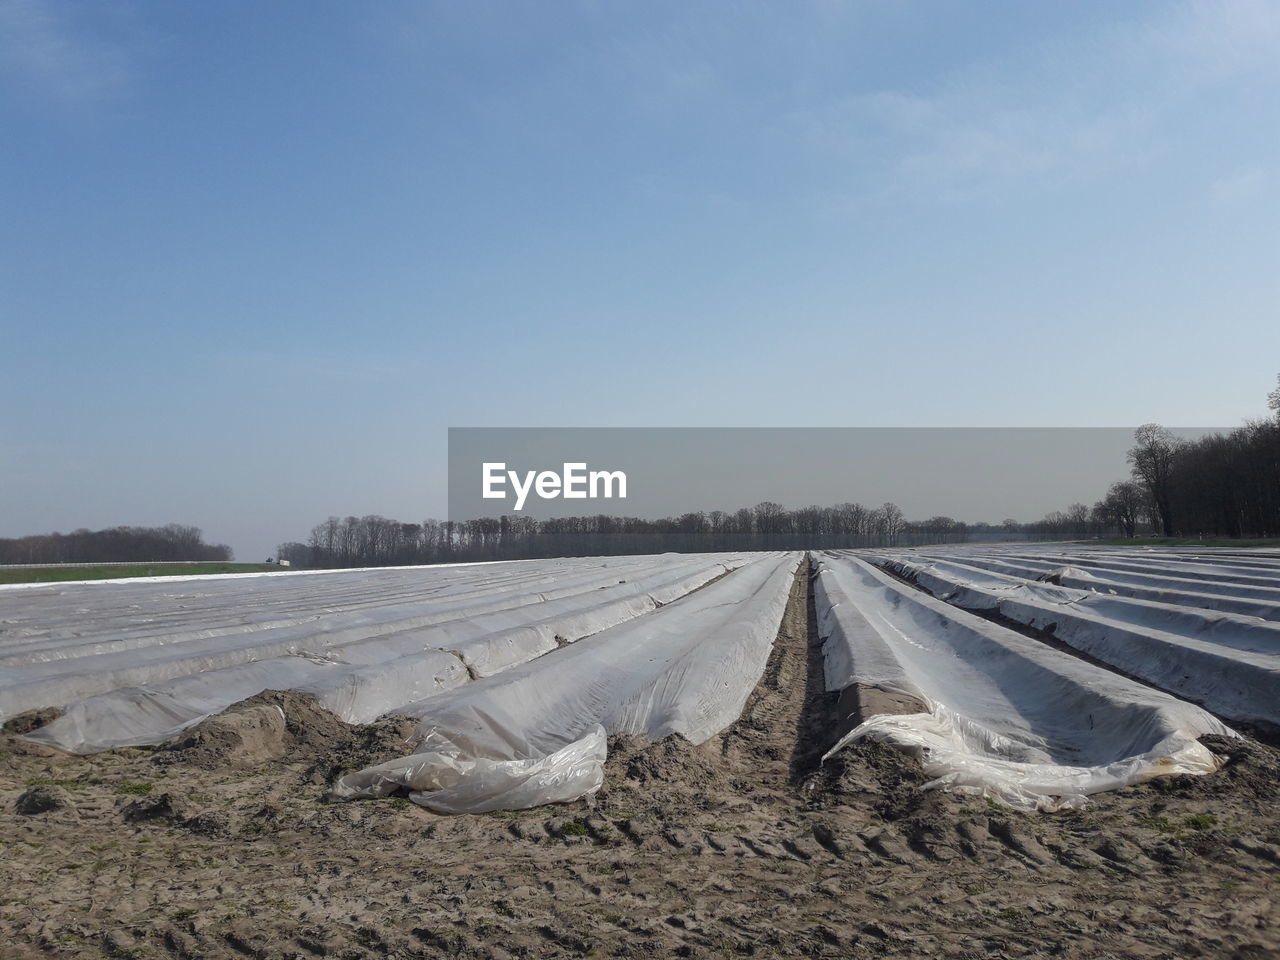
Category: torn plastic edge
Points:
column 445, row 781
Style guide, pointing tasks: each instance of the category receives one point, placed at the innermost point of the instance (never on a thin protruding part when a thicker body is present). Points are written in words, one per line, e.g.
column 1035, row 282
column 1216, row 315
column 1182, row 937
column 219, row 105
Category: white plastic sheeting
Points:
column 1227, row 662
column 63, row 622
column 686, row 668
column 1154, row 575
column 178, row 643
column 1235, row 574
column 459, row 784
column 1098, row 581
column 1006, row 716
column 364, row 678
column 149, row 715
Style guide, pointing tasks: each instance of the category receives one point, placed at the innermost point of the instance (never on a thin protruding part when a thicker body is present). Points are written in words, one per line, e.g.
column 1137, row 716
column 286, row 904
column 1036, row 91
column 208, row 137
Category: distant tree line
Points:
column 116, row 545
column 1220, row 485
column 376, row 541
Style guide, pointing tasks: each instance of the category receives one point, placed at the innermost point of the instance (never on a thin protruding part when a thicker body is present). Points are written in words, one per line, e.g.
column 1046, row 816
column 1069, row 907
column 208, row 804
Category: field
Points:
column 1030, row 751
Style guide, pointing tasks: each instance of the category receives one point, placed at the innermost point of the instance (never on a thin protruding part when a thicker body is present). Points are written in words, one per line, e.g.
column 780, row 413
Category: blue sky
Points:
column 257, row 258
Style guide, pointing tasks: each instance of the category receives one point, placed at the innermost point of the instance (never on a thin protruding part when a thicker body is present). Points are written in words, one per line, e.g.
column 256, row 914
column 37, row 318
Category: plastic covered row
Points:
column 1002, row 715
column 535, row 734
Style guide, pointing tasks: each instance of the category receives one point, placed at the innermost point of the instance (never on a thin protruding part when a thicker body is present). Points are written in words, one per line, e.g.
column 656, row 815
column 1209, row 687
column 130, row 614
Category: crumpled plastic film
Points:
column 1007, row 716
column 948, row 755
column 450, row 782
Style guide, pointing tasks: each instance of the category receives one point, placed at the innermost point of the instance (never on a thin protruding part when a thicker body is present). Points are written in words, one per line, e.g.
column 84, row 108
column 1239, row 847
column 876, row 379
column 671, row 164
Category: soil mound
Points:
column 267, row 727
column 44, row 799
column 1251, row 772
column 281, row 726
column 363, row 746
column 24, row 723
column 673, row 759
column 874, row 776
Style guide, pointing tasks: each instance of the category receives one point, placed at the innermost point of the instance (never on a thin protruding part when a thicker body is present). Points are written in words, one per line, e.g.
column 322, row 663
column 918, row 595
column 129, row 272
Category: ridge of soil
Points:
column 219, row 845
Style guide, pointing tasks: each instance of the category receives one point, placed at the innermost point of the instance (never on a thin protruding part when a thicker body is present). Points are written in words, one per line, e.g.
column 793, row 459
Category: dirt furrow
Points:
column 788, row 719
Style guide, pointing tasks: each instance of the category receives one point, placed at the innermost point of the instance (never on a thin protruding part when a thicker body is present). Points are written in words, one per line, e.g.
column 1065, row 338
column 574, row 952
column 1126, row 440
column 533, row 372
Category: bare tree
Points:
column 1078, row 519
column 769, row 518
column 893, row 522
column 1152, row 459
column 1122, row 506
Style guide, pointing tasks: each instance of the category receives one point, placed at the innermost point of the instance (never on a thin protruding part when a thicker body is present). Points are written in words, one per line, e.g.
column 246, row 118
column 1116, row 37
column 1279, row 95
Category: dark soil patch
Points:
column 23, row 723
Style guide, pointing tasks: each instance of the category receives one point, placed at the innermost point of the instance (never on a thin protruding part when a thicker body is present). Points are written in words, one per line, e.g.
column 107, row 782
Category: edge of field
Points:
column 60, row 574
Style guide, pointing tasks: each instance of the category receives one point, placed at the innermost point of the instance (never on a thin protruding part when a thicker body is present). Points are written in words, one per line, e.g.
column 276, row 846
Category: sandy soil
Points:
column 221, row 845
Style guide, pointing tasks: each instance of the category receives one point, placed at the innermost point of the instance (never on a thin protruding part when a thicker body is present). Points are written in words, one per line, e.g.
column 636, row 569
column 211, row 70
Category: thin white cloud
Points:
column 968, row 140
column 1238, row 188
column 1066, row 110
column 42, row 51
column 1214, row 39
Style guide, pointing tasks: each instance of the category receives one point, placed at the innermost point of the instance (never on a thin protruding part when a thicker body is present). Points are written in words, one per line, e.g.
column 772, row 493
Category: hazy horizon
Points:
column 926, row 472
